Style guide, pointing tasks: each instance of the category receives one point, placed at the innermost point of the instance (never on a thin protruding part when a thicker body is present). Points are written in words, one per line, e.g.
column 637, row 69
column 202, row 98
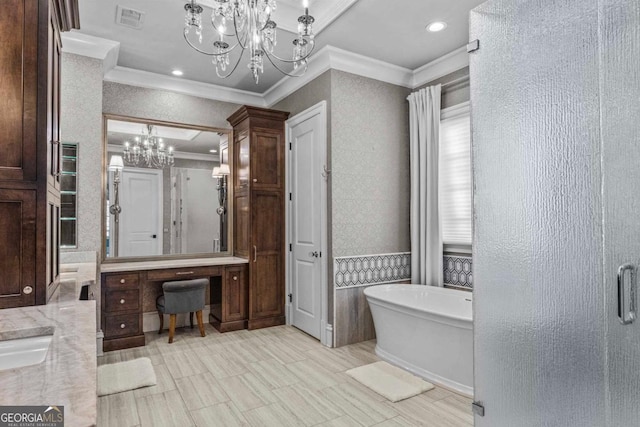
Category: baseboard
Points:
column 122, row 343
column 151, row 321
column 327, row 335
column 227, row 326
column 99, row 341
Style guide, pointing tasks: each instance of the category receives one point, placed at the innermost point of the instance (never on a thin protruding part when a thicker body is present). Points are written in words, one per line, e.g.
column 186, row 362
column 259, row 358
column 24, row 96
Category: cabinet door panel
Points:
column 267, row 159
column 17, row 247
column 267, row 281
column 18, row 89
column 241, row 163
column 235, row 306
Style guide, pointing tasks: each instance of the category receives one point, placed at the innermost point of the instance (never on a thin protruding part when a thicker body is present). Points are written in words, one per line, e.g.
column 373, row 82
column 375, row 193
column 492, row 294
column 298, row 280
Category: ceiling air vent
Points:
column 129, row 17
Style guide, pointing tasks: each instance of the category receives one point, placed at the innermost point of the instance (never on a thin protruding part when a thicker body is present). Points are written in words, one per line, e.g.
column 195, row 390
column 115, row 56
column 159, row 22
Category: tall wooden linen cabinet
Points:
column 259, row 209
column 30, row 51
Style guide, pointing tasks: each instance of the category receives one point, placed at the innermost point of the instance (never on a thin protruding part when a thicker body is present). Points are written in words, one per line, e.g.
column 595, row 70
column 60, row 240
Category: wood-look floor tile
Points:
column 308, row 406
column 360, row 406
column 200, row 391
column 274, row 415
column 221, row 365
column 424, row 412
column 398, row 421
column 458, row 406
column 273, row 373
column 315, row 376
column 118, row 410
column 331, row 359
column 223, row 414
column 164, row 409
column 247, row 391
column 343, row 421
column 284, row 352
column 184, row 364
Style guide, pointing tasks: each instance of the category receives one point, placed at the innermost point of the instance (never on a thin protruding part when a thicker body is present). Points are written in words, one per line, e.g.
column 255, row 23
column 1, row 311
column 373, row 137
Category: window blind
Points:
column 456, row 208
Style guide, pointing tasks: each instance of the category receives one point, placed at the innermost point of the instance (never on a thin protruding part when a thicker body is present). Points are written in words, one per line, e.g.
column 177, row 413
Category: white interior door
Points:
column 307, row 220
column 141, row 217
column 199, row 203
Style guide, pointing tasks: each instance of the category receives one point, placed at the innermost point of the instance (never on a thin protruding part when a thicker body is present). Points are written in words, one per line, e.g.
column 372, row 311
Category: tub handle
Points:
column 627, row 311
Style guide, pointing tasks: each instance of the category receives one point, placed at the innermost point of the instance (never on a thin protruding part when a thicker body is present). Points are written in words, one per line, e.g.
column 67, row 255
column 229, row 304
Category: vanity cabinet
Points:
column 259, row 220
column 29, row 143
column 122, row 311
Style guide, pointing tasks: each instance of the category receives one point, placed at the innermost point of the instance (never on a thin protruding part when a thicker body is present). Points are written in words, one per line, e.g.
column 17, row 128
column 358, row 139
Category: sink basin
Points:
column 20, row 352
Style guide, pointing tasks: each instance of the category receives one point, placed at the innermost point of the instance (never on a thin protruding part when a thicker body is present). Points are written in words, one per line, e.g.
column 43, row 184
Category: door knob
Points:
column 313, row 254
column 154, row 236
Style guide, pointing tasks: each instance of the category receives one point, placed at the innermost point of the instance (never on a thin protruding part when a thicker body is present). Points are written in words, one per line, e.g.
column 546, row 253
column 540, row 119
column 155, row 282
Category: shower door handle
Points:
column 627, row 310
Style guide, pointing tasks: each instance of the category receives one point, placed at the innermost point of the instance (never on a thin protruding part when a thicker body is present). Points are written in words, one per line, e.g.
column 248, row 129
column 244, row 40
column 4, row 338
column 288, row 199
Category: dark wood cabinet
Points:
column 259, row 210
column 122, row 310
column 30, row 50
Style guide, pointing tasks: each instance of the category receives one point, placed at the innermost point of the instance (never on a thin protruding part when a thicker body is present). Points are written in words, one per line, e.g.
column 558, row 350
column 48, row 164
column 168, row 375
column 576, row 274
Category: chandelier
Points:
column 249, row 24
column 148, row 150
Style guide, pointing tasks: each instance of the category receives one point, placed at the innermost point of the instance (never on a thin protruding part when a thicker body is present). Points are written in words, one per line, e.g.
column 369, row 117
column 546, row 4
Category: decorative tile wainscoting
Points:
column 371, row 269
column 458, row 271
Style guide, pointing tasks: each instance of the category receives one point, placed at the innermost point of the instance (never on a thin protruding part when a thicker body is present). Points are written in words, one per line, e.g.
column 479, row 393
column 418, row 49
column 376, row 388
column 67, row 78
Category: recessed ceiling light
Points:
column 213, row 151
column 434, row 27
column 177, row 73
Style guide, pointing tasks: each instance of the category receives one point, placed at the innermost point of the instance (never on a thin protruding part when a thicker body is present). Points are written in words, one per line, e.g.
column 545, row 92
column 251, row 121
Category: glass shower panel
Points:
column 538, row 295
column 620, row 109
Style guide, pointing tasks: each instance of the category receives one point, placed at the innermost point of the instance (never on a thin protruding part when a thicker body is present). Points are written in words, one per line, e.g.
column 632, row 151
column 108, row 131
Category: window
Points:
column 456, row 208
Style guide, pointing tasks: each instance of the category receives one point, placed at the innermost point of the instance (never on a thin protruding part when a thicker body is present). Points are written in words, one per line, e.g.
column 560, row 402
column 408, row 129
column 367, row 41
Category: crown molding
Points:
column 145, row 79
column 452, row 61
column 327, row 58
column 330, row 57
column 92, row 47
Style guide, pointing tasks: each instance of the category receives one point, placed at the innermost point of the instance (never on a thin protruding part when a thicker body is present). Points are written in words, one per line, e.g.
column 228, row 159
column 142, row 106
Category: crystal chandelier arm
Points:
column 196, row 48
column 224, row 76
column 291, row 61
column 281, row 70
column 243, row 44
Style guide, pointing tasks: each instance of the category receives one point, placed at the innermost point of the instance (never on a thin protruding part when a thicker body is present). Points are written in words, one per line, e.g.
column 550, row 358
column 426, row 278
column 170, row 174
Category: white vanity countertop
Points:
column 67, row 376
column 169, row 263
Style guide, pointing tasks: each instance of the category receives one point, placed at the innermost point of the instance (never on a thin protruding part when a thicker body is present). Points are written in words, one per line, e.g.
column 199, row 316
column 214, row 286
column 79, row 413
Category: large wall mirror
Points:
column 166, row 190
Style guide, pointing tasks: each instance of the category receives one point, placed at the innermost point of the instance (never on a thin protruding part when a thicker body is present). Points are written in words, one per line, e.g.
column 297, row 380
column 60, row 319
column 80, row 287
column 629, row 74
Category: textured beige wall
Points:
column 370, row 166
column 81, row 111
column 156, row 104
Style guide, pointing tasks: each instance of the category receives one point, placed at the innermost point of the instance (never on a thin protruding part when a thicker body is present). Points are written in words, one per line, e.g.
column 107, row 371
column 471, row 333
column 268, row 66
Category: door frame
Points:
column 326, row 334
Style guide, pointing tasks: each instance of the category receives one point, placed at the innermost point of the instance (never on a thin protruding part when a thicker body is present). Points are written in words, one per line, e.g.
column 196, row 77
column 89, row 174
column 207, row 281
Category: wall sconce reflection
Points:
column 116, row 165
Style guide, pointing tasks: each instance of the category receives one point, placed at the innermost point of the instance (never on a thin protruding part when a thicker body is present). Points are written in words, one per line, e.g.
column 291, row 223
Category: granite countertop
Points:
column 67, row 376
column 169, row 263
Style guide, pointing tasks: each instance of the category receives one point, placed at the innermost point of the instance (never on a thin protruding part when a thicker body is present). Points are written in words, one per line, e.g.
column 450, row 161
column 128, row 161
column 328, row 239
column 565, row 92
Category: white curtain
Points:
column 426, row 233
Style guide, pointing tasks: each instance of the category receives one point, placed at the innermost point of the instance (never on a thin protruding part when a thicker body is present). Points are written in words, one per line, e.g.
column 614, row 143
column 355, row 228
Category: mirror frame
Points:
column 104, row 174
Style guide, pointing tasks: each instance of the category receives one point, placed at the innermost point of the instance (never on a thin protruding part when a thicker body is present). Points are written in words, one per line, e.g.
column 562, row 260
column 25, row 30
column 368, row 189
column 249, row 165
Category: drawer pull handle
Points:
column 122, row 280
column 235, row 277
column 183, row 273
column 122, row 301
column 122, row 326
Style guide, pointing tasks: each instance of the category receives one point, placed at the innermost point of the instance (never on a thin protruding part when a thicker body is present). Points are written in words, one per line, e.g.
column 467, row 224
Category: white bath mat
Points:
column 389, row 381
column 125, row 376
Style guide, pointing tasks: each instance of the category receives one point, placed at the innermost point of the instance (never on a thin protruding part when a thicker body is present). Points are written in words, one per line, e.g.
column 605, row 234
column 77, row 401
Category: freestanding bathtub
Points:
column 426, row 330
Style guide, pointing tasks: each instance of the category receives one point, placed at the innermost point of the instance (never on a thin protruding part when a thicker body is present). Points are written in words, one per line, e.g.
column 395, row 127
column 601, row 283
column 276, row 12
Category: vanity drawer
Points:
column 183, row 273
column 122, row 325
column 122, row 300
column 122, row 280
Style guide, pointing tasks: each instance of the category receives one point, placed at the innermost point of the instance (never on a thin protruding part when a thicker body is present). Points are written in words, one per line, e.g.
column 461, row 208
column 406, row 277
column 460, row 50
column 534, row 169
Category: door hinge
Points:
column 473, row 46
column 290, row 297
column 290, row 146
column 290, row 247
column 477, row 409
column 320, row 254
column 290, row 196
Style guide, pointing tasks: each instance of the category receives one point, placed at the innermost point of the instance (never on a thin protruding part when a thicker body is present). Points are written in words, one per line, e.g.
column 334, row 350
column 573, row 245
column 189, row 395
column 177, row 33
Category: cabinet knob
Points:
column 27, row 290
column 122, row 301
column 255, row 179
column 122, row 280
column 122, row 326
column 235, row 277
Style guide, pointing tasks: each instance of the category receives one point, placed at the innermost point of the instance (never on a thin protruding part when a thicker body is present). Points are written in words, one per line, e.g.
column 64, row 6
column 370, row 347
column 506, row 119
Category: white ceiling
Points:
column 393, row 32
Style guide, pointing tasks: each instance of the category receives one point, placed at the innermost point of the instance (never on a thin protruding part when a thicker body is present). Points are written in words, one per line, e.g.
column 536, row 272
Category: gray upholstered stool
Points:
column 183, row 296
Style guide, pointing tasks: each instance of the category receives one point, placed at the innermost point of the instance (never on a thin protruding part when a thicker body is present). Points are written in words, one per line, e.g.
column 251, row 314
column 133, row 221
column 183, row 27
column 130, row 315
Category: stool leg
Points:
column 161, row 315
column 172, row 327
column 191, row 319
column 200, row 324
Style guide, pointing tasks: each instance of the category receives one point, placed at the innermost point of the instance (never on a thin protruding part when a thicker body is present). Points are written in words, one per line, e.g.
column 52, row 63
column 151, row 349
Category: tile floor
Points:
column 269, row 377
